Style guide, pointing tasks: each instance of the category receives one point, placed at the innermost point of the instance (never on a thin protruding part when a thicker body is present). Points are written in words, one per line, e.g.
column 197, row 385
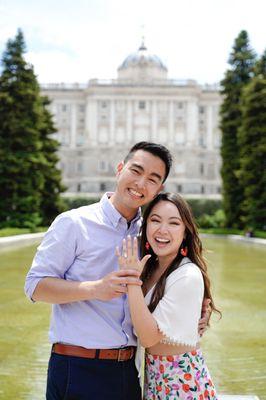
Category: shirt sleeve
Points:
column 178, row 312
column 55, row 254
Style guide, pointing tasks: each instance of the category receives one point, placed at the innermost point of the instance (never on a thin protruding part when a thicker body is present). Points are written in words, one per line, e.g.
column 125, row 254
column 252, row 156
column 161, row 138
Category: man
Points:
column 75, row 269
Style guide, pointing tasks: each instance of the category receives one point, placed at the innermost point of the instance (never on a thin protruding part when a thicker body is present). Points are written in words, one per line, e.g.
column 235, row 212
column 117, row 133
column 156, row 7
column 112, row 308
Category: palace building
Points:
column 98, row 122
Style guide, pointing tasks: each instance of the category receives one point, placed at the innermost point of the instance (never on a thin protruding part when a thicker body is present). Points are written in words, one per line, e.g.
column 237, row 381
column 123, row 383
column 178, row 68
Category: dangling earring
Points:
column 147, row 246
column 184, row 249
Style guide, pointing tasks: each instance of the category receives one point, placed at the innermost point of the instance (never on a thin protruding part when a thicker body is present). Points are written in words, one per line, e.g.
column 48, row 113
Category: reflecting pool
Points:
column 235, row 346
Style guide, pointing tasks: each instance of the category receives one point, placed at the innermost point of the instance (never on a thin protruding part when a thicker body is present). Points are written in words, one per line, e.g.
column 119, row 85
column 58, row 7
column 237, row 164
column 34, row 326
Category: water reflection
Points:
column 235, row 346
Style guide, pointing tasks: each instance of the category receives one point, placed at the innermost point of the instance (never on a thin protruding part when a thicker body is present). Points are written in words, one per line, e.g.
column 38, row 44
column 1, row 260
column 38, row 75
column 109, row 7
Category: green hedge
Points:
column 76, row 202
column 204, row 206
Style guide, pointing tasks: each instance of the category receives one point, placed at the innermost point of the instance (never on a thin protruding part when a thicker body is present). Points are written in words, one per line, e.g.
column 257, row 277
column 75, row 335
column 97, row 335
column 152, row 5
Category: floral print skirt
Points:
column 177, row 377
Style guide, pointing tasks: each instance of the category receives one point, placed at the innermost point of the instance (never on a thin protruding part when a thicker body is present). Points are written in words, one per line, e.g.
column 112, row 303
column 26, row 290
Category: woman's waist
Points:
column 163, row 349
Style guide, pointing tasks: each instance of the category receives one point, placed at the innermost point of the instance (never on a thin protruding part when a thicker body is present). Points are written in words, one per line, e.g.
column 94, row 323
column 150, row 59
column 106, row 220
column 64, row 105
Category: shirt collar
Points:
column 111, row 212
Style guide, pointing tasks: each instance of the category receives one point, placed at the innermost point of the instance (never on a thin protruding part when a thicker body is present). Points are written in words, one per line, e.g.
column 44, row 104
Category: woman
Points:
column 165, row 314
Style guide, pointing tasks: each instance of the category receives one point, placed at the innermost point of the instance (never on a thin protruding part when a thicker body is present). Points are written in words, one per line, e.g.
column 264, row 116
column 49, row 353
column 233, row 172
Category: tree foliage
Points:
column 252, row 144
column 241, row 61
column 25, row 163
column 51, row 202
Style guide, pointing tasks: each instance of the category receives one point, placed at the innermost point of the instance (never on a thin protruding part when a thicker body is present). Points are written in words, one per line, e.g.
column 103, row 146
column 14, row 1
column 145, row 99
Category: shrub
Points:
column 204, row 206
column 76, row 202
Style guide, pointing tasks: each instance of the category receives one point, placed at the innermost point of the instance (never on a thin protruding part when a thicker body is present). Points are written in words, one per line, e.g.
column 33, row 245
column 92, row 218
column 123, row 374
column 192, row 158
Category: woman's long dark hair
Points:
column 192, row 242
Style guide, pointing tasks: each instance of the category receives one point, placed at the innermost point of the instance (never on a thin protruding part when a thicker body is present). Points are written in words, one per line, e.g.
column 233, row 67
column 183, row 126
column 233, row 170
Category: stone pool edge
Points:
column 31, row 238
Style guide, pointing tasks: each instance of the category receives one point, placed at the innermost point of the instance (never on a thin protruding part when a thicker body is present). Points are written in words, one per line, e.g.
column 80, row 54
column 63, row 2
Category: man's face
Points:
column 140, row 179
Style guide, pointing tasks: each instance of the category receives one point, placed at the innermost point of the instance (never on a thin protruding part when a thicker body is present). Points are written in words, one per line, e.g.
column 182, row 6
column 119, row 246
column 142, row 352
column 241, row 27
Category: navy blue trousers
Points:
column 76, row 378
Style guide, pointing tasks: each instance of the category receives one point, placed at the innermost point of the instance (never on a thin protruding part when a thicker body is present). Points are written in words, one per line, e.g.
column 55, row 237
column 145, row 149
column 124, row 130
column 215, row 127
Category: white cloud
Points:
column 87, row 39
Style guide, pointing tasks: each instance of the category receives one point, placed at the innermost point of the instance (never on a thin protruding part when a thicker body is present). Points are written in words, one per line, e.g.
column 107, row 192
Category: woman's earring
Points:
column 184, row 251
column 147, row 246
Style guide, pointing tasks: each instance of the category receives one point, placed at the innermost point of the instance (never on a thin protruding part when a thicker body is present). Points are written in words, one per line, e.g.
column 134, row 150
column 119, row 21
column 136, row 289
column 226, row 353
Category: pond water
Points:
column 235, row 346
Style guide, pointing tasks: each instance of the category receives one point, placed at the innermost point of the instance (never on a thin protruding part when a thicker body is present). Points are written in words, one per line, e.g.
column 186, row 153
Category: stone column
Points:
column 129, row 136
column 209, row 123
column 91, row 121
column 73, row 126
column 171, row 135
column 112, row 123
column 154, row 122
column 192, row 123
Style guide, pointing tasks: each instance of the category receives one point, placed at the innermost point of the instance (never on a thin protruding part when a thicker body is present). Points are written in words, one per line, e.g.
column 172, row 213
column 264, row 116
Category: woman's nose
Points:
column 162, row 228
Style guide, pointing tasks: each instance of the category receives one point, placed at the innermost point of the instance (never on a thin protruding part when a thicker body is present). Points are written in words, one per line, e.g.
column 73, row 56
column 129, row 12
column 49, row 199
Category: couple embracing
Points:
column 112, row 293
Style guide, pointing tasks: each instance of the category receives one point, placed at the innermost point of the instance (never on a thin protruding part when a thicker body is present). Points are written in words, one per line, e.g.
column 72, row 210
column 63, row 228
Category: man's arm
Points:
column 46, row 281
column 60, row 291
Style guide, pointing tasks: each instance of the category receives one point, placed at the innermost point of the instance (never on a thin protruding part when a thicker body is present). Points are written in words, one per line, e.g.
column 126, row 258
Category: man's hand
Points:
column 115, row 284
column 129, row 259
column 205, row 316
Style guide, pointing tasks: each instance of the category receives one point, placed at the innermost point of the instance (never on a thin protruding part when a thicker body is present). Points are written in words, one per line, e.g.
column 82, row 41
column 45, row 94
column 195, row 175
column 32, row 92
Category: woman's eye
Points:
column 155, row 220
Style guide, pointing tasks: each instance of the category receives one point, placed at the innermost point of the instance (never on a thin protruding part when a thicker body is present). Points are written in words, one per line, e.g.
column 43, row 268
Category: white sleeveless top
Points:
column 178, row 312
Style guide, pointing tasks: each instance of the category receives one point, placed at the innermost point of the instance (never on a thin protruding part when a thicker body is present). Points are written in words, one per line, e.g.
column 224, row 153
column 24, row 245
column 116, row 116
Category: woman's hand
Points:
column 129, row 258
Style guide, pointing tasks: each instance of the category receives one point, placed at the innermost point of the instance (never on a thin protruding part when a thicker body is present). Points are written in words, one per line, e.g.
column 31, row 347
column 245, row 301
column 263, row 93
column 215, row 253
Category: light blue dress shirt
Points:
column 80, row 246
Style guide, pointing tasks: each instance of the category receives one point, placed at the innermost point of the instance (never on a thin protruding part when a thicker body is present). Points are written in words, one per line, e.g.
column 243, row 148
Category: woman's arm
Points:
column 145, row 325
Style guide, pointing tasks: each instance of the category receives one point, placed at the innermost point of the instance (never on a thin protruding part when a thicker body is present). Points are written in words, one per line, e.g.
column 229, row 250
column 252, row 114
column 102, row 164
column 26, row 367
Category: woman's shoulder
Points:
column 186, row 270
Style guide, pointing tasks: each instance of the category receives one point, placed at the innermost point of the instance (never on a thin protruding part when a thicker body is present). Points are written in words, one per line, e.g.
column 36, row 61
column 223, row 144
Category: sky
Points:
column 74, row 41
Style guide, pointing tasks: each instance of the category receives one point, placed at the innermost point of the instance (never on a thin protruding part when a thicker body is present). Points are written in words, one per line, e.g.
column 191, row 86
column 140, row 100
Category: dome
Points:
column 142, row 65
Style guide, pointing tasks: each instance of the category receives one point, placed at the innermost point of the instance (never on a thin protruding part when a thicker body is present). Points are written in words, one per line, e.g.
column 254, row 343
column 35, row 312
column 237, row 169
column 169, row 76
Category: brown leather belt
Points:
column 122, row 354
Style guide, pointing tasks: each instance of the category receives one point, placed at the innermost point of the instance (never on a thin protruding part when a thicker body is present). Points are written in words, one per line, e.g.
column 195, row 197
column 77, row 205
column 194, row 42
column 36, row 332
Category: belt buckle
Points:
column 119, row 355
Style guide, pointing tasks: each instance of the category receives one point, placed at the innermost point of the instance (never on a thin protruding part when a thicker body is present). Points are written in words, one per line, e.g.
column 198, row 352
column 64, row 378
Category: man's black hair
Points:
column 157, row 150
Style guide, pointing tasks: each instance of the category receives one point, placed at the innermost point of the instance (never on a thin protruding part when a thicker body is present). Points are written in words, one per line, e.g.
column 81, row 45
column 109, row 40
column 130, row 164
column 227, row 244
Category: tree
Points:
column 24, row 123
column 51, row 202
column 21, row 159
column 241, row 60
column 252, row 143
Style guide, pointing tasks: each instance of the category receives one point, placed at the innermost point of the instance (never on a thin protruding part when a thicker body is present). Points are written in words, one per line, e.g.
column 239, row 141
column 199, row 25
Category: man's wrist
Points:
column 90, row 289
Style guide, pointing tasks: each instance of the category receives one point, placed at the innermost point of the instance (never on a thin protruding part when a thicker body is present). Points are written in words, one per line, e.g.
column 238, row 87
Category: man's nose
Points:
column 141, row 182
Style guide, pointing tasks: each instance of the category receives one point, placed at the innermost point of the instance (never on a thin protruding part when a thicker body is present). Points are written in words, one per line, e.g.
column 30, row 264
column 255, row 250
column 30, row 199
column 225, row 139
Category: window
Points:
column 142, row 105
column 64, row 107
column 81, row 108
column 179, row 189
column 104, row 104
column 180, row 105
column 80, row 139
column 103, row 166
column 80, row 166
column 202, row 110
column 202, row 189
column 79, row 187
column 202, row 169
column 102, row 187
column 201, row 141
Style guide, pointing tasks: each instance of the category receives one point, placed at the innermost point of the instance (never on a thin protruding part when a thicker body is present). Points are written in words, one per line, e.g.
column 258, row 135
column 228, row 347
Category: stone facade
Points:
column 97, row 123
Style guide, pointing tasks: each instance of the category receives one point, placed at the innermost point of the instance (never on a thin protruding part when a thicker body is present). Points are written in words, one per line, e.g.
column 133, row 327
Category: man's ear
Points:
column 119, row 168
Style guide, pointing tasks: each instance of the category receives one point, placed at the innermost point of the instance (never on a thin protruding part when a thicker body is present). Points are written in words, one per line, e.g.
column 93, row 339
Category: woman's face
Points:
column 165, row 229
